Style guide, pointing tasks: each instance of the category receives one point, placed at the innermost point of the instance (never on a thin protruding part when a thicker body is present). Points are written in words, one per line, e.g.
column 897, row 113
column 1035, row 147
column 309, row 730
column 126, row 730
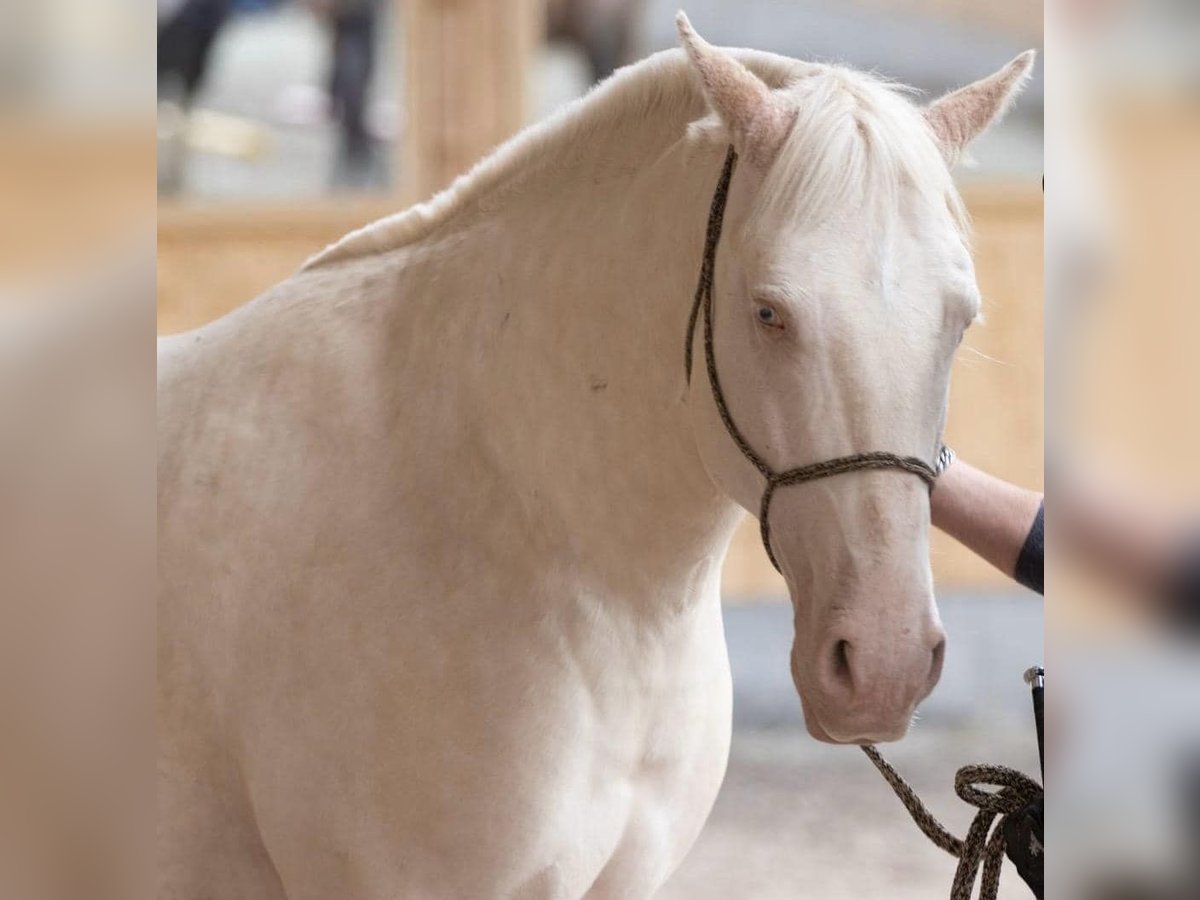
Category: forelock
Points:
column 857, row 143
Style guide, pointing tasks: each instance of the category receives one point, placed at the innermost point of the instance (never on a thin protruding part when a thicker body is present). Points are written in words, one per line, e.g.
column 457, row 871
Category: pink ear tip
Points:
column 684, row 26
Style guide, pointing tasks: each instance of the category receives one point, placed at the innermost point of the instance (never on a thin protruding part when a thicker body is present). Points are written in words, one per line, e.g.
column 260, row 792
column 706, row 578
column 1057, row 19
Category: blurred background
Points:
column 1123, row 323
column 77, row 485
column 284, row 124
column 76, row 136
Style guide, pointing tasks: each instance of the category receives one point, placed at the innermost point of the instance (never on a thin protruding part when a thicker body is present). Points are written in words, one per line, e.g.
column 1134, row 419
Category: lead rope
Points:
column 1014, row 791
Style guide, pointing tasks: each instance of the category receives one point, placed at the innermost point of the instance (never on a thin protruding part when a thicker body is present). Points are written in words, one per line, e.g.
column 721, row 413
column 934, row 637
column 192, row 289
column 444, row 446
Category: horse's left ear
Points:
column 757, row 119
column 961, row 116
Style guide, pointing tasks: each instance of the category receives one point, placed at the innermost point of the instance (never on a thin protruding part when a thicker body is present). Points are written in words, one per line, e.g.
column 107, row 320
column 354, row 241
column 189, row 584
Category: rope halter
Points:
column 875, row 459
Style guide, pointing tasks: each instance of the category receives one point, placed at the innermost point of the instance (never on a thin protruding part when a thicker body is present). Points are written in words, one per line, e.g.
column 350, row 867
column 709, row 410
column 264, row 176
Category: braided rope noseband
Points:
column 876, row 459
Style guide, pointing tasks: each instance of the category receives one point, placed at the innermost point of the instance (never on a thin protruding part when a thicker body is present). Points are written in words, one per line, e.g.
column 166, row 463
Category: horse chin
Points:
column 832, row 729
column 816, row 730
column 833, row 734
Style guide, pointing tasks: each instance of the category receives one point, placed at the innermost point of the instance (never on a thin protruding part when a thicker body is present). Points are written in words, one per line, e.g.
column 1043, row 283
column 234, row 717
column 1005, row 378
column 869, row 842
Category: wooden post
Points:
column 467, row 69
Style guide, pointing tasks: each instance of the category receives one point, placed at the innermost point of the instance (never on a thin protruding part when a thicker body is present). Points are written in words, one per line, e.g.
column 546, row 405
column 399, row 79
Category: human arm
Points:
column 999, row 521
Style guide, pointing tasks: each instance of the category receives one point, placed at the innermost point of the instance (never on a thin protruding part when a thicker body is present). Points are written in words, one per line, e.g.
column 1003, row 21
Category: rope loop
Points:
column 984, row 844
column 1016, row 790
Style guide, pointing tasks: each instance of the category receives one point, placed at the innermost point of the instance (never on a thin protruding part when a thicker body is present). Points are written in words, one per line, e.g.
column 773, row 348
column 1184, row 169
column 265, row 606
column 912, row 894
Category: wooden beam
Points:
column 466, row 74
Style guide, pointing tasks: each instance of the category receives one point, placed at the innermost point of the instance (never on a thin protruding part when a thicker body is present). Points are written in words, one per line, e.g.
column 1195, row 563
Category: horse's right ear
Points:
column 758, row 120
column 961, row 116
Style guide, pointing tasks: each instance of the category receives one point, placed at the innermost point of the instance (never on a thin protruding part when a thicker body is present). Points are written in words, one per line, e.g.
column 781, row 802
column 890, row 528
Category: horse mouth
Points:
column 830, row 727
column 855, row 736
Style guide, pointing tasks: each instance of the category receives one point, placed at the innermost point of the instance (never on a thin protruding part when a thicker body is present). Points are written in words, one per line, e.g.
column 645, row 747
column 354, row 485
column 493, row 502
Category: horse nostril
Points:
column 841, row 664
column 938, row 657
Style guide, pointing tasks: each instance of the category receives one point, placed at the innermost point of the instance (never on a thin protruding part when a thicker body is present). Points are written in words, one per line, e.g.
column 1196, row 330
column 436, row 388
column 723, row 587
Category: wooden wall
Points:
column 73, row 195
column 214, row 259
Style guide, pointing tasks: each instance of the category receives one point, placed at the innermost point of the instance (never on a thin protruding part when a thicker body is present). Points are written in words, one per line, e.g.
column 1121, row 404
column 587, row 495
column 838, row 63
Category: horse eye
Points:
column 767, row 316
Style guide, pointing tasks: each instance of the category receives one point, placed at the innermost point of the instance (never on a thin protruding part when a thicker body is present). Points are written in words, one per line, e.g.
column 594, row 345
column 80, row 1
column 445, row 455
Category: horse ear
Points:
column 961, row 116
column 757, row 119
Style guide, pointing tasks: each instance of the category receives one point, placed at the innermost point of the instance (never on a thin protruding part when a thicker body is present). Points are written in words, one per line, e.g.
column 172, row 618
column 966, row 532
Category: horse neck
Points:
column 581, row 387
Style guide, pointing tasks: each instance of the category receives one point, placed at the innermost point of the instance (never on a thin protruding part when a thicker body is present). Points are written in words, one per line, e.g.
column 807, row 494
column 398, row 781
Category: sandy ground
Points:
column 795, row 821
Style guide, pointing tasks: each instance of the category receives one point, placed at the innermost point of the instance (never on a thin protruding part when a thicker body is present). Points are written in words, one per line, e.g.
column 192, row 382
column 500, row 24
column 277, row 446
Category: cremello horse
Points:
column 442, row 522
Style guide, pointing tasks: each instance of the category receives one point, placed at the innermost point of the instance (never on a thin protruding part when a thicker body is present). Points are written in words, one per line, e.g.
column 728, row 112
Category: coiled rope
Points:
column 984, row 844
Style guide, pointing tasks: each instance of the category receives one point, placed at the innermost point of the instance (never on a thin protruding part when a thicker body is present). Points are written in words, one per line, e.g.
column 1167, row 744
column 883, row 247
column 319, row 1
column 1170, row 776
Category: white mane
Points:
column 860, row 133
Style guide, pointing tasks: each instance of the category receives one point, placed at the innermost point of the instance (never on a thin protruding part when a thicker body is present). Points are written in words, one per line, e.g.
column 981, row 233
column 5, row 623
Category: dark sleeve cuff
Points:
column 1031, row 570
column 1184, row 588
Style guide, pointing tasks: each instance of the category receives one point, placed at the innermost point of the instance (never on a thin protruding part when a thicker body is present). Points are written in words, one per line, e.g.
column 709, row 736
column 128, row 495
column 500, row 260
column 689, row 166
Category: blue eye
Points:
column 767, row 316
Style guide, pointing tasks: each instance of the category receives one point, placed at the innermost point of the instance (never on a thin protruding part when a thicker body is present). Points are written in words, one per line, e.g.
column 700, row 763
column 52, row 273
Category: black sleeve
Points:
column 1184, row 588
column 1031, row 570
